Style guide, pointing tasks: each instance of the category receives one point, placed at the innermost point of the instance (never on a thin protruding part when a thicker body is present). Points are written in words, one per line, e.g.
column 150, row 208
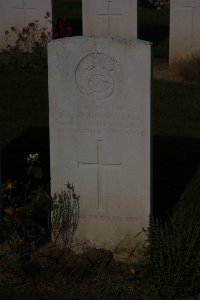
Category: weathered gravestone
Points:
column 110, row 17
column 184, row 29
column 19, row 13
column 99, row 102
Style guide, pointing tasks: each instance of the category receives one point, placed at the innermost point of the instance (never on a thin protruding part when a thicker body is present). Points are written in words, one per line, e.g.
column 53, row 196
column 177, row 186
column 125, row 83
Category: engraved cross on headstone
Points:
column 99, row 165
column 24, row 9
column 109, row 15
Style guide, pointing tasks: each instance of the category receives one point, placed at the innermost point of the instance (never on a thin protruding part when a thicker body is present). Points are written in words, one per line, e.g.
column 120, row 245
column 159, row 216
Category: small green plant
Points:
column 65, row 216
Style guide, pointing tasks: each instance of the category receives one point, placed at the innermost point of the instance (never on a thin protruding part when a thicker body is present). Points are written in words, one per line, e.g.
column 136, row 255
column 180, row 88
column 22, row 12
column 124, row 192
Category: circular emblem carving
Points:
column 96, row 75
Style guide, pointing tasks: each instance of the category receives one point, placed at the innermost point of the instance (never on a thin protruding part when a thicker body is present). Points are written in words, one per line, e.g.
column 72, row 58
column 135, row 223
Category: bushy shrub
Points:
column 30, row 48
column 65, row 216
column 30, row 38
column 172, row 265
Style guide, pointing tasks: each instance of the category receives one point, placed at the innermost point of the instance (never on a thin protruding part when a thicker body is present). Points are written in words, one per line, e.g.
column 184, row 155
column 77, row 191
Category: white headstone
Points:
column 184, row 29
column 110, row 17
column 99, row 102
column 19, row 13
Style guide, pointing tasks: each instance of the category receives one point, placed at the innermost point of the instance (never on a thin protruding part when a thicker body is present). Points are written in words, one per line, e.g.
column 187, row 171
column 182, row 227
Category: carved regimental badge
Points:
column 97, row 76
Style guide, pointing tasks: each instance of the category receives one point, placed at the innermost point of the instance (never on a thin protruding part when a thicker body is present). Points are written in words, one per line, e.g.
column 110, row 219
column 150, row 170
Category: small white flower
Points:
column 32, row 158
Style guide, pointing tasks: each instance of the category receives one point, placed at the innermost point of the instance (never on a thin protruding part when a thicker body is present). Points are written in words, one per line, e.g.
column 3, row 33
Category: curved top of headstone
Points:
column 98, row 38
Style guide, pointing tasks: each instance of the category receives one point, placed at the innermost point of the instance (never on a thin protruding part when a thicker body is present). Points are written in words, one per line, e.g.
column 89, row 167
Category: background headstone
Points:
column 184, row 29
column 110, row 18
column 19, row 13
column 99, row 101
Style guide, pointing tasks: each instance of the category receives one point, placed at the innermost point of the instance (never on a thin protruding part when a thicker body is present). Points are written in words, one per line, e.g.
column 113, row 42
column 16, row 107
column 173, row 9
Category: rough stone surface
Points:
column 110, row 18
column 19, row 13
column 184, row 29
column 99, row 102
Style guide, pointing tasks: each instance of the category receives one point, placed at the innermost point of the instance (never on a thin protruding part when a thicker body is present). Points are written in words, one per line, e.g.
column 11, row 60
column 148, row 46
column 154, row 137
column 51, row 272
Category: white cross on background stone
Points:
column 99, row 165
column 24, row 9
column 110, row 18
column 193, row 5
column 109, row 15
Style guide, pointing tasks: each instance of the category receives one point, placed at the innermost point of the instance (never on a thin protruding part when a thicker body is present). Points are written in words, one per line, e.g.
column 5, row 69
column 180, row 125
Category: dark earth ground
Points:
column 94, row 273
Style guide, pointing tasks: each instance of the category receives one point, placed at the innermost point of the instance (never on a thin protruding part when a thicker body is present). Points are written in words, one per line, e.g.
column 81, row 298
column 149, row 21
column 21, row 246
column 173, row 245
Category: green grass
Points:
column 189, row 205
column 154, row 27
column 189, row 69
column 24, row 102
column 176, row 109
column 154, row 17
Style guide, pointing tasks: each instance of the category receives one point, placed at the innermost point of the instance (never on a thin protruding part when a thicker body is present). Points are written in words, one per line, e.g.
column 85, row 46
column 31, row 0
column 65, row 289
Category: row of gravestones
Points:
column 184, row 21
column 100, row 124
